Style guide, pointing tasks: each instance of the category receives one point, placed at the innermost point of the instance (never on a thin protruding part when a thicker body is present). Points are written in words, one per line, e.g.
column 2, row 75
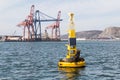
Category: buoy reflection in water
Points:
column 70, row 73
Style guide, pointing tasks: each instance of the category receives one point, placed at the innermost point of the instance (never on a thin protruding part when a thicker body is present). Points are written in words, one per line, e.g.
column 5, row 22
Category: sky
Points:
column 89, row 14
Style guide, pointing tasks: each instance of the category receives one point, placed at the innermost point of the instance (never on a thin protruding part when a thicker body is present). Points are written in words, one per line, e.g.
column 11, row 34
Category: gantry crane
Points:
column 33, row 24
column 55, row 33
column 37, row 25
column 55, row 27
column 28, row 23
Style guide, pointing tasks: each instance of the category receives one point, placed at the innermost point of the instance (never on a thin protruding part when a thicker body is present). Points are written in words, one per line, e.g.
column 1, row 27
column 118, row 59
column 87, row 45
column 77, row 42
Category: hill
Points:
column 85, row 34
column 108, row 33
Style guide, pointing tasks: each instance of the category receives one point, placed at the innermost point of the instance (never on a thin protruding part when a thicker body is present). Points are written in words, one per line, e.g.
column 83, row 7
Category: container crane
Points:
column 28, row 23
column 33, row 25
column 39, row 18
column 37, row 25
column 55, row 33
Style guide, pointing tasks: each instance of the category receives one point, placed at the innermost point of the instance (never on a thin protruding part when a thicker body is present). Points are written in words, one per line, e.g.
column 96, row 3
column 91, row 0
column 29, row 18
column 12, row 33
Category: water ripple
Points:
column 38, row 61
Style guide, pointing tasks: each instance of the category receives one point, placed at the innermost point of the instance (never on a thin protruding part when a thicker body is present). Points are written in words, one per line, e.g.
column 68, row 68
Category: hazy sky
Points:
column 89, row 14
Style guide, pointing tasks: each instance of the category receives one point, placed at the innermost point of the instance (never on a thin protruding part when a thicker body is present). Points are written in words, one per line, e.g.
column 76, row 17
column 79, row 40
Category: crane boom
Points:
column 55, row 27
column 33, row 24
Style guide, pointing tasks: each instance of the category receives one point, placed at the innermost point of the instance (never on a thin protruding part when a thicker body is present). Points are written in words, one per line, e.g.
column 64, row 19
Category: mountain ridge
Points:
column 107, row 33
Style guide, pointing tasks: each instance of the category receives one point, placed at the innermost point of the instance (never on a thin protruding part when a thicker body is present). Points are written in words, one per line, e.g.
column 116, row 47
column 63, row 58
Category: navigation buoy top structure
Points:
column 72, row 58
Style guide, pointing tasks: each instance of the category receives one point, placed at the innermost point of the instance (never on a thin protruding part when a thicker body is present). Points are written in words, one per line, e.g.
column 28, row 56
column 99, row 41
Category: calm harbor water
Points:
column 38, row 61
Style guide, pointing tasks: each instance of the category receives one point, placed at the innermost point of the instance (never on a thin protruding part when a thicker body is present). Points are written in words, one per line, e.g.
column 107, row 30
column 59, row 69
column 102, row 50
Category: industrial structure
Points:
column 32, row 26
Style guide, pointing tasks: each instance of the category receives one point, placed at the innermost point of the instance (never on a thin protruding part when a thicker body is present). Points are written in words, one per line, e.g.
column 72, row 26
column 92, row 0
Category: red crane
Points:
column 33, row 25
column 28, row 23
column 55, row 33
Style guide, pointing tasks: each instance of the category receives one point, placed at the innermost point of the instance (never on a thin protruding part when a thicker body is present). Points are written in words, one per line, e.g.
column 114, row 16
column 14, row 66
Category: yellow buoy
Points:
column 72, row 64
column 72, row 58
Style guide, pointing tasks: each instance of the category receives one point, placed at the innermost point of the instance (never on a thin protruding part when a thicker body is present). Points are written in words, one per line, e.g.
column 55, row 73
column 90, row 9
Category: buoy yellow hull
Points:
column 72, row 64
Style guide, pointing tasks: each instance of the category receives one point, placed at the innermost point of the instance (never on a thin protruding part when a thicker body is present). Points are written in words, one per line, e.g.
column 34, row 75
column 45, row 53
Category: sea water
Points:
column 38, row 61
